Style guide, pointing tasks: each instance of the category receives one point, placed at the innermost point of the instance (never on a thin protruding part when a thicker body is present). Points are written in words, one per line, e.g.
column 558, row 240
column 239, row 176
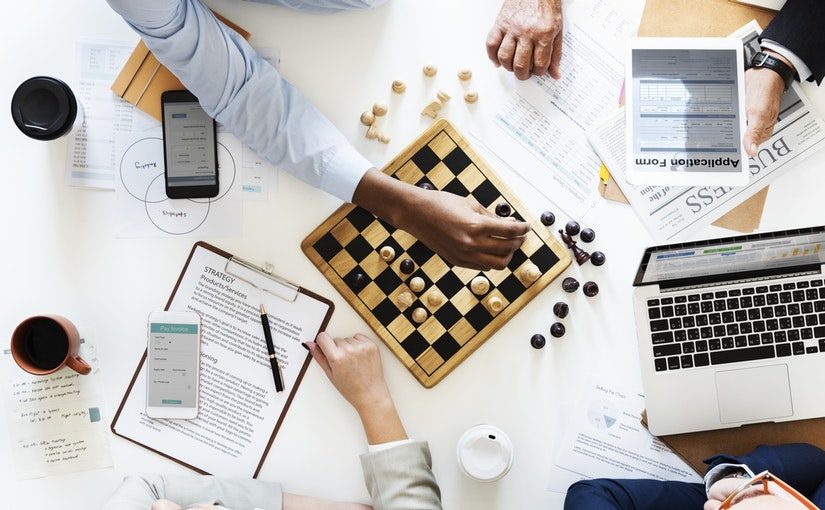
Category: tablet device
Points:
column 686, row 112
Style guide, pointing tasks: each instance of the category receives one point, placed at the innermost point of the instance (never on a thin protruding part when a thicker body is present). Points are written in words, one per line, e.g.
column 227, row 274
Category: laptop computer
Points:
column 731, row 331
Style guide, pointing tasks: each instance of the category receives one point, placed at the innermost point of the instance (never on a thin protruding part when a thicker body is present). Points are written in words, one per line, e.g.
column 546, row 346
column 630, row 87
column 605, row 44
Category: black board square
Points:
column 449, row 284
column 519, row 258
column 456, row 188
column 360, row 218
column 511, row 288
column 544, row 258
column 409, row 310
column 415, row 344
column 350, row 279
column 457, row 161
column 447, row 315
column 392, row 243
column 479, row 317
column 327, row 247
column 486, row 193
column 387, row 281
column 390, row 228
column 446, row 346
column 419, row 253
column 385, row 312
column 425, row 159
column 421, row 274
column 359, row 248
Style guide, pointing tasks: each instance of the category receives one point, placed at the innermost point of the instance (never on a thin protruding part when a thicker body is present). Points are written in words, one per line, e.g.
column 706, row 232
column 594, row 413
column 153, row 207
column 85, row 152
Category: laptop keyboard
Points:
column 727, row 326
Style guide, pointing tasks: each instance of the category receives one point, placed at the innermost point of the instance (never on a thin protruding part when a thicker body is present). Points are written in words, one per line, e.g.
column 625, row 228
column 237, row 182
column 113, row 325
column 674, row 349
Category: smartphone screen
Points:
column 173, row 365
column 189, row 147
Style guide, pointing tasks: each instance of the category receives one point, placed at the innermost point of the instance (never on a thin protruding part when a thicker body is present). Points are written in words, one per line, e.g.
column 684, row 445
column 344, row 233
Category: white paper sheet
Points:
column 143, row 210
column 239, row 406
column 56, row 422
column 605, row 439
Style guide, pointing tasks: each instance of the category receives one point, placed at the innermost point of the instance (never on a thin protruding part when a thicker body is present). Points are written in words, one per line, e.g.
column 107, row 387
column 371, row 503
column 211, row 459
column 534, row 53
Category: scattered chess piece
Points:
column 429, row 70
column 557, row 330
column 434, row 298
column 417, row 284
column 407, row 266
column 561, row 309
column 399, row 86
column 405, row 299
column 547, row 218
column 432, row 108
column 443, row 97
column 597, row 258
column 383, row 138
column 496, row 304
column 373, row 132
column 580, row 255
column 587, row 235
column 530, row 273
column 503, row 209
column 427, row 186
column 387, row 253
column 537, row 341
column 590, row 289
column 368, row 118
column 572, row 227
column 379, row 109
column 471, row 96
column 419, row 315
column 480, row 285
column 358, row 281
column 464, row 74
column 570, row 284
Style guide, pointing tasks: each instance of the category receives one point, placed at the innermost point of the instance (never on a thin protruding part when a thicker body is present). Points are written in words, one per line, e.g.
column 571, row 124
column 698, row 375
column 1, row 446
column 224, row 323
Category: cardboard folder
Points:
column 143, row 79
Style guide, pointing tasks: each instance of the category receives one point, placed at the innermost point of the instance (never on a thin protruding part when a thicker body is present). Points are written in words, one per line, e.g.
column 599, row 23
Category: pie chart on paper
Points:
column 602, row 415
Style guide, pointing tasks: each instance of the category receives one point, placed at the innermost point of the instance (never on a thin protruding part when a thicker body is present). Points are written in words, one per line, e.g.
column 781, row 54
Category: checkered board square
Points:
column 348, row 243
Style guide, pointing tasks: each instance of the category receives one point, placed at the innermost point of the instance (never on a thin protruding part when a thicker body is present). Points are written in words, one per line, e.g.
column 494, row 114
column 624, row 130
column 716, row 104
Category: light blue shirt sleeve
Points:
column 247, row 95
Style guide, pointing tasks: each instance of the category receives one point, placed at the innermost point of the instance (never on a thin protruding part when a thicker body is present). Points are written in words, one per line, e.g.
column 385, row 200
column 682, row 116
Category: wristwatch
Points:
column 784, row 71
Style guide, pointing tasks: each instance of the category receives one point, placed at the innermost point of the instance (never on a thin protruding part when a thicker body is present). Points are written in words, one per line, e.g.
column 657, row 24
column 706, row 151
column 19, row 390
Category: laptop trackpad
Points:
column 754, row 394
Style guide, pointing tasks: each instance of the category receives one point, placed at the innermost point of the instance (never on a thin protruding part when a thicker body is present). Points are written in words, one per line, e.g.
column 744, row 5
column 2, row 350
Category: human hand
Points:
column 526, row 38
column 763, row 94
column 753, row 499
column 164, row 504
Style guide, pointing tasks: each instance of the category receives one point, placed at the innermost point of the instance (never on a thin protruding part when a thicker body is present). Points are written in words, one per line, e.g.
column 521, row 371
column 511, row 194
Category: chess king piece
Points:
column 580, row 255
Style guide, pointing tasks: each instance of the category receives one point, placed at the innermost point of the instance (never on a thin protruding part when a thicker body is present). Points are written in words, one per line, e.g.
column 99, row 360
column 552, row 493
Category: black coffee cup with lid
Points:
column 44, row 108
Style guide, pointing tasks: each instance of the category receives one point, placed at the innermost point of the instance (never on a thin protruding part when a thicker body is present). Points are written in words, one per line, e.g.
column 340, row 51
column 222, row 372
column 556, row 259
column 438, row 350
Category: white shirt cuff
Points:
column 722, row 471
column 386, row 446
column 344, row 171
column 801, row 69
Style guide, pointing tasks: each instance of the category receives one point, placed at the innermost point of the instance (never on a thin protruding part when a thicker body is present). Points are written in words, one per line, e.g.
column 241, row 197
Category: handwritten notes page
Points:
column 55, row 421
column 238, row 406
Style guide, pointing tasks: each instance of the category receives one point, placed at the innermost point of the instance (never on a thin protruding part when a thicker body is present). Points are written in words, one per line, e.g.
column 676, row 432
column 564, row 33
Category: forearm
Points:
column 382, row 423
column 387, row 198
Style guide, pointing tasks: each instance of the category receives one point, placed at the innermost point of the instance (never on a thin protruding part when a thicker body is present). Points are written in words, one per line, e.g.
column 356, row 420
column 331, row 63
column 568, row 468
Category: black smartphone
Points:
column 190, row 147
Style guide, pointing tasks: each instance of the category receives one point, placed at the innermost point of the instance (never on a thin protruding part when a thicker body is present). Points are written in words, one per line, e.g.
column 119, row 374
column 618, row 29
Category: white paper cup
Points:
column 485, row 453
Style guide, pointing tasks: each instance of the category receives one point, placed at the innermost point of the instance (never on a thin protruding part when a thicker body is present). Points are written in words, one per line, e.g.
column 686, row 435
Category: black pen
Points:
column 276, row 369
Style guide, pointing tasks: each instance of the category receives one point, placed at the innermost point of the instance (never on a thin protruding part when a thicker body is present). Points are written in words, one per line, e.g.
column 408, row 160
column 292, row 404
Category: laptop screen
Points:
column 742, row 256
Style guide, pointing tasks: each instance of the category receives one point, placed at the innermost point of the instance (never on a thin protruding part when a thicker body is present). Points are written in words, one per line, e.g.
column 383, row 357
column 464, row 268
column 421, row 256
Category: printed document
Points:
column 239, row 407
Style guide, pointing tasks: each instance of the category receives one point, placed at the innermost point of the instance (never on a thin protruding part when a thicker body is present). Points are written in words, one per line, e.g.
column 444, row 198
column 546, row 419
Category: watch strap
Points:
column 786, row 72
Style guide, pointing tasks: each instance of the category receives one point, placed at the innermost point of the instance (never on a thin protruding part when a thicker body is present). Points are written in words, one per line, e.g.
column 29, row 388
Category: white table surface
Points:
column 59, row 254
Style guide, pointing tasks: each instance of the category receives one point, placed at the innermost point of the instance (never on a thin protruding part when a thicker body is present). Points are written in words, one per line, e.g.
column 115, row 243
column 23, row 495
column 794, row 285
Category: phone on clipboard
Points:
column 173, row 370
column 190, row 147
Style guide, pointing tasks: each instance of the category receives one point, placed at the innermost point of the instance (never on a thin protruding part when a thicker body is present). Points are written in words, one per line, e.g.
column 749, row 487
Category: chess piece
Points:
column 405, row 299
column 417, row 284
column 570, row 284
column 587, row 235
column 419, row 315
column 471, row 96
column 434, row 298
column 383, row 138
column 430, row 70
column 547, row 218
column 464, row 74
column 561, row 309
column 372, row 132
column 399, row 86
column 557, row 330
column 379, row 109
column 597, row 258
column 358, row 281
column 480, row 285
column 407, row 266
column 387, row 253
column 431, row 110
column 537, row 341
column 580, row 255
column 530, row 273
column 572, row 227
column 590, row 289
column 503, row 209
column 496, row 304
column 368, row 118
column 427, row 186
column 443, row 97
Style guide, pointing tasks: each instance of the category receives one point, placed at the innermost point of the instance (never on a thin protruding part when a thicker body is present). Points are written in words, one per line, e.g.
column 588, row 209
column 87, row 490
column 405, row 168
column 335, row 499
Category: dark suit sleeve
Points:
column 800, row 27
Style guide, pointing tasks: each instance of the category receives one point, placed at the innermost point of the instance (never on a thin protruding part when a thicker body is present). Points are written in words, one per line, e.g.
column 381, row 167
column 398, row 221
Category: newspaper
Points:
column 674, row 212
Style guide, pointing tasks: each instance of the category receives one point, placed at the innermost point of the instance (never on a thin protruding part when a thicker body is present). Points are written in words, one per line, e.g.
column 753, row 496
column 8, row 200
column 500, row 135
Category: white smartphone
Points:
column 173, row 365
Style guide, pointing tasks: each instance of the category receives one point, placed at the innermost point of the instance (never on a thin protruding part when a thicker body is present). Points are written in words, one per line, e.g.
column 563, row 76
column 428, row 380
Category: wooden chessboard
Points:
column 348, row 243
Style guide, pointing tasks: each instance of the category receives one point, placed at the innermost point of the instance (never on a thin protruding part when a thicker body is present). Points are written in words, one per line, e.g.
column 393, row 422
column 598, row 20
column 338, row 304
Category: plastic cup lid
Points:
column 43, row 108
column 485, row 453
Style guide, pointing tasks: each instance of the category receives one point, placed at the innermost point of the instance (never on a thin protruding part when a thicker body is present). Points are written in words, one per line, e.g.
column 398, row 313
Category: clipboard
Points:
column 286, row 290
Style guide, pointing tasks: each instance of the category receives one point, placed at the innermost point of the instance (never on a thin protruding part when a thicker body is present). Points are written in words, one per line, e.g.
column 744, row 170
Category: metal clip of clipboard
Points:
column 281, row 287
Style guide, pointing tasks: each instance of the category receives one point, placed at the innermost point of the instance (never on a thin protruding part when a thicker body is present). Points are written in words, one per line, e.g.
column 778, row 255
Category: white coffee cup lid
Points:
column 485, row 453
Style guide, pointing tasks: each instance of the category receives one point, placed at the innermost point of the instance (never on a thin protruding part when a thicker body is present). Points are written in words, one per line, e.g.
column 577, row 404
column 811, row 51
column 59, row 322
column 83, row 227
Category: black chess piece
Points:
column 580, row 255
column 557, row 329
column 597, row 258
column 570, row 284
column 590, row 289
column 503, row 209
column 537, row 341
column 561, row 309
column 587, row 235
column 407, row 266
column 427, row 186
column 358, row 281
column 547, row 218
column 572, row 227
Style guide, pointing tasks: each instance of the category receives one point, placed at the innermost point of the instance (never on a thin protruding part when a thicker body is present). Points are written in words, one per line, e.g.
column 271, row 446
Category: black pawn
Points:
column 597, row 258
column 561, row 310
column 537, row 341
column 572, row 228
column 587, row 235
column 503, row 209
column 590, row 289
column 570, row 284
column 557, row 329
column 427, row 186
column 547, row 218
column 358, row 281
column 407, row 266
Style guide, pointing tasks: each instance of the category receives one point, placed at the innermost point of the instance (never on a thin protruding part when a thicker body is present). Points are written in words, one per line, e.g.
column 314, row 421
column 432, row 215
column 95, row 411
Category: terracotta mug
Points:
column 44, row 344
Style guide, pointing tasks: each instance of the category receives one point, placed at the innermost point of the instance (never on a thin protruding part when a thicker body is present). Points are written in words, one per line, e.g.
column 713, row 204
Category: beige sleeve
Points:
column 401, row 477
